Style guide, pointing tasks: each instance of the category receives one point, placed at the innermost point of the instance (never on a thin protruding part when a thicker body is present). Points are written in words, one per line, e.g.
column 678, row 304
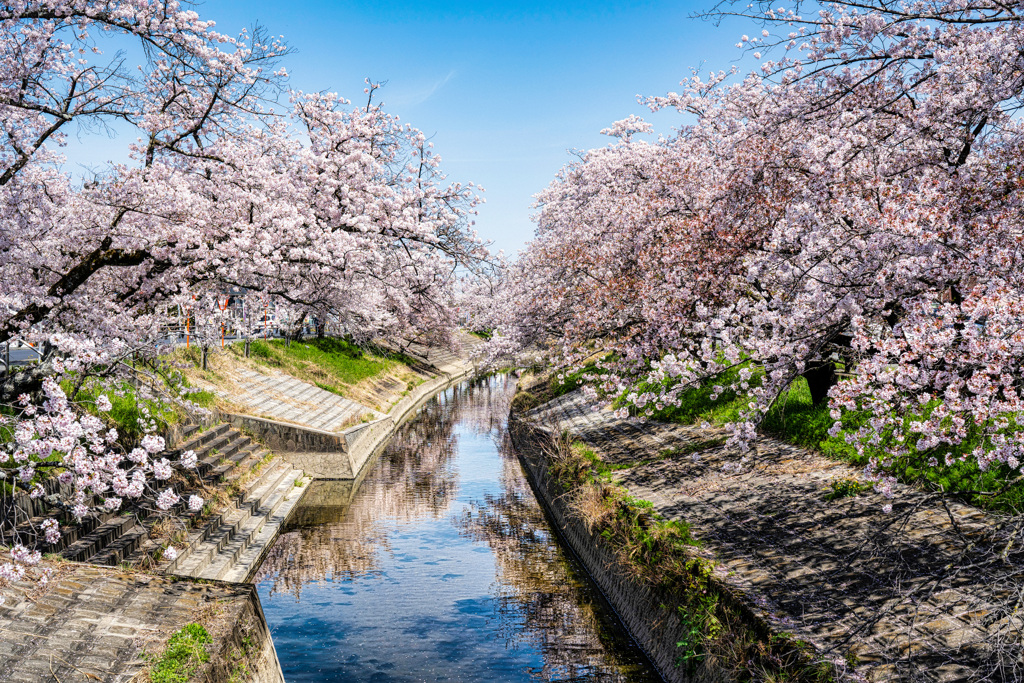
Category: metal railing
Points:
column 23, row 354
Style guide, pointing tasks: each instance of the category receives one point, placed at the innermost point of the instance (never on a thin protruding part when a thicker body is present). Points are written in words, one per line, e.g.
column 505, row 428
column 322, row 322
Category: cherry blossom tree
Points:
column 856, row 202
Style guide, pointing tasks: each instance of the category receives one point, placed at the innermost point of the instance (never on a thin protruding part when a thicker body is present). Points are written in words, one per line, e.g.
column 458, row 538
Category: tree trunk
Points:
column 297, row 333
column 205, row 351
column 819, row 380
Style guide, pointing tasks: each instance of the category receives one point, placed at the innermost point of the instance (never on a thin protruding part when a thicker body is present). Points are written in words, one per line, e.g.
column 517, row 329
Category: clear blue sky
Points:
column 504, row 88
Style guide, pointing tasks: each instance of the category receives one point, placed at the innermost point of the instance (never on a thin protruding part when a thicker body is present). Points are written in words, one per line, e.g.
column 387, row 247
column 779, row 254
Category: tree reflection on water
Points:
column 543, row 600
column 337, row 532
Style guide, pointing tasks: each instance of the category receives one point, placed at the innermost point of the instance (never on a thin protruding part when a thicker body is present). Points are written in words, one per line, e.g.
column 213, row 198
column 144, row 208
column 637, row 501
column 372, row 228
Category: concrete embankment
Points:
column 926, row 591
column 341, row 455
column 323, row 434
column 103, row 624
column 650, row 613
column 107, row 624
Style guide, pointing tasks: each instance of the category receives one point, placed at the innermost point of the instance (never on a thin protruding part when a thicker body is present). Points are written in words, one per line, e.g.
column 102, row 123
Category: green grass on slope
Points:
column 792, row 418
column 331, row 363
column 186, row 651
column 795, row 420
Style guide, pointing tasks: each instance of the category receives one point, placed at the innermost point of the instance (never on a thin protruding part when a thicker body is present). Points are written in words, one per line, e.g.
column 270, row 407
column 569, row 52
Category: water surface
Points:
column 438, row 566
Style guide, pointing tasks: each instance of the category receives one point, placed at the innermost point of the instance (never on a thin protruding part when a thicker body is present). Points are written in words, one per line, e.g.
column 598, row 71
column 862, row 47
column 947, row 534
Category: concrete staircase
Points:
column 226, row 546
column 230, row 546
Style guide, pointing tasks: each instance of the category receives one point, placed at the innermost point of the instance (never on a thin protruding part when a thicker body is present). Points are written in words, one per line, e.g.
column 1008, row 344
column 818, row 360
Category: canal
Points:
column 439, row 565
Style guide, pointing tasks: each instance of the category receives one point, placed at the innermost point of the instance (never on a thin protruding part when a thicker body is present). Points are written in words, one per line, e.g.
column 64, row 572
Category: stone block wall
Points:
column 649, row 614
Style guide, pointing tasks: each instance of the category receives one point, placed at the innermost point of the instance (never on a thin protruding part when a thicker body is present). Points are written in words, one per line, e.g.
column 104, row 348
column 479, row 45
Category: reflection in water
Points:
column 330, row 537
column 439, row 566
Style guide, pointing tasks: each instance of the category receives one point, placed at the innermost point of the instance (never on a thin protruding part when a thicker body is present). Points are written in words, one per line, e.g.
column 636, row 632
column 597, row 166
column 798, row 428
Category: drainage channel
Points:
column 438, row 565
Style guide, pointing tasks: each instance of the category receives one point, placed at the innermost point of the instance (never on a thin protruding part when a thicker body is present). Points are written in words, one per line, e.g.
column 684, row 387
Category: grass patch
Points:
column 946, row 468
column 794, row 419
column 564, row 382
column 332, row 364
column 203, row 398
column 651, row 546
column 128, row 412
column 711, row 401
column 845, row 487
column 186, row 652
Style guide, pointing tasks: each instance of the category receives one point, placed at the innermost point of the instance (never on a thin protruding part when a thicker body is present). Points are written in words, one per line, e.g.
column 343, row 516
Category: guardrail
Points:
column 16, row 352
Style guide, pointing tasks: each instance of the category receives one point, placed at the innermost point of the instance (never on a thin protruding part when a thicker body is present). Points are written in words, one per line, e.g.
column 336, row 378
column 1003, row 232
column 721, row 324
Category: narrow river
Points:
column 438, row 566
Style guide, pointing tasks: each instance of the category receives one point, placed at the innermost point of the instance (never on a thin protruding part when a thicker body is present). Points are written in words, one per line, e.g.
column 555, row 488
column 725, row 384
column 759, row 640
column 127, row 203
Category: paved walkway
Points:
column 279, row 396
column 931, row 592
column 96, row 624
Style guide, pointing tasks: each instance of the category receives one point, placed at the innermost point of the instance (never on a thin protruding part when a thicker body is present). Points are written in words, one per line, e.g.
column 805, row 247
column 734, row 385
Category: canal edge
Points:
column 650, row 613
column 247, row 654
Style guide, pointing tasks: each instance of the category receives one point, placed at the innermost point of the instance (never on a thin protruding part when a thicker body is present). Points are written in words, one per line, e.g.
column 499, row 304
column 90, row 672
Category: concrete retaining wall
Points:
column 246, row 653
column 649, row 614
column 330, row 455
column 364, row 441
column 283, row 436
column 320, row 454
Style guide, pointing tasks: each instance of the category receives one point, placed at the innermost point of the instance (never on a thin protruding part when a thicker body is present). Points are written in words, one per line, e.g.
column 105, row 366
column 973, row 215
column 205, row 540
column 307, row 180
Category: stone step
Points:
column 223, row 529
column 257, row 454
column 220, row 535
column 248, row 563
column 240, row 441
column 213, row 447
column 236, row 442
column 122, row 547
column 233, row 460
column 30, row 531
column 113, row 538
column 186, row 431
column 255, row 536
column 199, row 440
column 99, row 538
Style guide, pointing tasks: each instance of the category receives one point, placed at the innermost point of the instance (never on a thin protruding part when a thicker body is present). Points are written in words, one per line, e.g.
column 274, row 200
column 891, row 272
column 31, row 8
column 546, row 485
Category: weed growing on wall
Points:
column 186, row 652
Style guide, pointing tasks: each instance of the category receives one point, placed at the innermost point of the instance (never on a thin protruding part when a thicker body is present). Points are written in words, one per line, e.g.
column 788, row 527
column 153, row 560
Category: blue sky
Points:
column 504, row 89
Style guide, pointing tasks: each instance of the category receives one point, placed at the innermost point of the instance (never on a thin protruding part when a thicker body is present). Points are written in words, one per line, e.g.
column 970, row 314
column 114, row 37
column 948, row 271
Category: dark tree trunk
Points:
column 820, row 379
column 297, row 333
